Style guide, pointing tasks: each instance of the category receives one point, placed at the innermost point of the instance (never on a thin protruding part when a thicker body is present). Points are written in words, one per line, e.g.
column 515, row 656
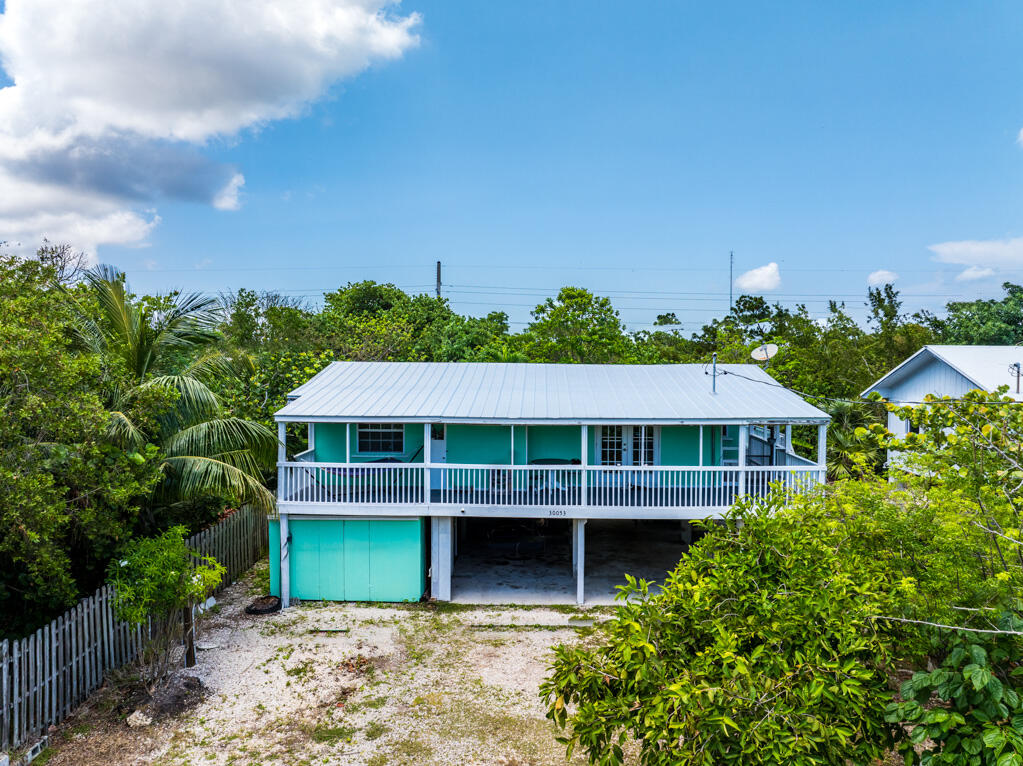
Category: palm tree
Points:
column 167, row 344
column 850, row 456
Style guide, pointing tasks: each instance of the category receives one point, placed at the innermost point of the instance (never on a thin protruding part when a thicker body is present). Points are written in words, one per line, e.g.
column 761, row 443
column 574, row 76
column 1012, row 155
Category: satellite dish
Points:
column 763, row 353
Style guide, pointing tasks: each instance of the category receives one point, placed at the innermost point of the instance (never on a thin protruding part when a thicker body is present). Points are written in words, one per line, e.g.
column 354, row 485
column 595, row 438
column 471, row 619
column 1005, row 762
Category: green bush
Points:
column 760, row 649
column 969, row 710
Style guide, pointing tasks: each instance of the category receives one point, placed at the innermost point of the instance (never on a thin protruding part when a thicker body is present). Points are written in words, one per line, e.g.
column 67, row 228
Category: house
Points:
column 403, row 459
column 949, row 371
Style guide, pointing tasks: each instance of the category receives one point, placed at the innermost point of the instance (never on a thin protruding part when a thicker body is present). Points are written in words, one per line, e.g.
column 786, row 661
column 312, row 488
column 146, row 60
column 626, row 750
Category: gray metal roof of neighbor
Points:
column 470, row 392
column 987, row 367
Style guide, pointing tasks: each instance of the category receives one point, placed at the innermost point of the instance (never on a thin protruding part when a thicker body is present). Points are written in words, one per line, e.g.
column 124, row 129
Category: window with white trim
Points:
column 642, row 445
column 381, row 437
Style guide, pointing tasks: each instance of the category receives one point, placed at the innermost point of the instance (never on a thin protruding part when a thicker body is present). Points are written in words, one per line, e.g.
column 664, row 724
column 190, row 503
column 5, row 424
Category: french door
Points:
column 628, row 446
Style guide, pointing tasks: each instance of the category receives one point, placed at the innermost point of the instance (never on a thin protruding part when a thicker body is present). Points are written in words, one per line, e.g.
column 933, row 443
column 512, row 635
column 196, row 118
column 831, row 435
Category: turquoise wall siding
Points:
column 479, row 444
column 555, row 442
column 330, row 444
column 352, row 559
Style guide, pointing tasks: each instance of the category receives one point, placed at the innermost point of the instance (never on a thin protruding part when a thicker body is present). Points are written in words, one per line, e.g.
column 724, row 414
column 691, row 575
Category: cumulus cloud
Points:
column 974, row 273
column 760, row 279
column 881, row 277
column 112, row 102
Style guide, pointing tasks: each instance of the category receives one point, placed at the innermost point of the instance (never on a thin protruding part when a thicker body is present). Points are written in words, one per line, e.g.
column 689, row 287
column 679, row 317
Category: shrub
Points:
column 759, row 649
column 155, row 578
column 969, row 710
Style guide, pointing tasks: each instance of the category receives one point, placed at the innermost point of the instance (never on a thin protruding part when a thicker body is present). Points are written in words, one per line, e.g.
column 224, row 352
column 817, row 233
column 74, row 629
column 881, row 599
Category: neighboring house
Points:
column 949, row 371
column 399, row 453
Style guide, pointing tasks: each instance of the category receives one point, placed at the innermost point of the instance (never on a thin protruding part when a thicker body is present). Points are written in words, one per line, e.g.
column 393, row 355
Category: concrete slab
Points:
column 539, row 571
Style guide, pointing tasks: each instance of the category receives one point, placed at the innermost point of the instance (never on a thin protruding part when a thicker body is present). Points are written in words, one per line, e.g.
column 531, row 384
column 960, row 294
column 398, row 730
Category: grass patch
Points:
column 375, row 730
column 332, row 735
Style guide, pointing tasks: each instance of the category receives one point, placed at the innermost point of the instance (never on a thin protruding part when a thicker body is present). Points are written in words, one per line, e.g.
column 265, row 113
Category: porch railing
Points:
column 661, row 487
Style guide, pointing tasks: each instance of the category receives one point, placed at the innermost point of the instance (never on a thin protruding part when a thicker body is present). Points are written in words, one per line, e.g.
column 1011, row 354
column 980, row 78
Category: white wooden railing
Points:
column 534, row 485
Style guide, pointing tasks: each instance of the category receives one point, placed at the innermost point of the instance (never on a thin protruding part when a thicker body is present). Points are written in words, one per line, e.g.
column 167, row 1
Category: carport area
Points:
column 533, row 561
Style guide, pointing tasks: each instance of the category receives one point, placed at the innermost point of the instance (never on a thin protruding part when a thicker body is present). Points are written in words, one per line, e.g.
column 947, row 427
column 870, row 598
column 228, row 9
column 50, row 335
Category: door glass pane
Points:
column 612, row 446
column 643, row 445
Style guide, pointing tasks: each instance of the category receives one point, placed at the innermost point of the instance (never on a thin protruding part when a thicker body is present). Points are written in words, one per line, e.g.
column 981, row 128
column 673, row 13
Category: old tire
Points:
column 264, row 605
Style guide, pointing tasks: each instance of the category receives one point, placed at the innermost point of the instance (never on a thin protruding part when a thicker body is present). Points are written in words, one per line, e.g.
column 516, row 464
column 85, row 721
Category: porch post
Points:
column 743, row 445
column 285, row 563
column 310, row 436
column 512, row 460
column 440, row 557
column 584, row 498
column 427, row 460
column 282, row 456
column 580, row 566
column 700, row 458
column 348, row 442
column 822, row 452
column 788, row 439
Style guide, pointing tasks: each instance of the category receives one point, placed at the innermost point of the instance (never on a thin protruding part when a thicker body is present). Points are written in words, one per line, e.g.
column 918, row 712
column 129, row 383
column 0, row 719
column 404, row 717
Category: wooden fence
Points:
column 44, row 676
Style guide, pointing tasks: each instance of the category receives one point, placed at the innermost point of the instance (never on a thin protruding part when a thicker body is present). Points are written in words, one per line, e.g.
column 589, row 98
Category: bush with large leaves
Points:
column 166, row 343
column 759, row 649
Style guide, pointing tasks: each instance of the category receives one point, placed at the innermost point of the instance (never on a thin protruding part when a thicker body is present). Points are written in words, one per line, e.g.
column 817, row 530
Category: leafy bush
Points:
column 155, row 578
column 968, row 711
column 759, row 649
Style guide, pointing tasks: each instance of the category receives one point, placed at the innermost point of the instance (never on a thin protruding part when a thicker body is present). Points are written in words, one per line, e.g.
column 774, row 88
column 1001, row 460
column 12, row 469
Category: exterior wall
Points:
column 479, row 444
column 564, row 442
column 330, row 444
column 936, row 378
column 352, row 559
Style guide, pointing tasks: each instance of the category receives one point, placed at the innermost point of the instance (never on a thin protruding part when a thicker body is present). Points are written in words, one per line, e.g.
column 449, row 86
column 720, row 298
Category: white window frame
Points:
column 379, row 427
column 628, row 440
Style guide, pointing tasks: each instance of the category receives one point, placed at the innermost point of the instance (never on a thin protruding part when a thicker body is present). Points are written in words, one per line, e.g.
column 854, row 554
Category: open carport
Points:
column 530, row 561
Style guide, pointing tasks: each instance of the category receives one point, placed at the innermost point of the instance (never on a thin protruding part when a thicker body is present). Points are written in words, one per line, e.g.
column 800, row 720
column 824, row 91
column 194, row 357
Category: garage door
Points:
column 352, row 560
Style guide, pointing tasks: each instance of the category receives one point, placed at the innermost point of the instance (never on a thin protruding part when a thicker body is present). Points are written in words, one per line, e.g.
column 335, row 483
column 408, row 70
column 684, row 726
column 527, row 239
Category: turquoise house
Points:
column 399, row 454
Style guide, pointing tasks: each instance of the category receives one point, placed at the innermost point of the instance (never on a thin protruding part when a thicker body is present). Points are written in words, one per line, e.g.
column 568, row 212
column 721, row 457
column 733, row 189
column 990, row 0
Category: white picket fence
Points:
column 44, row 676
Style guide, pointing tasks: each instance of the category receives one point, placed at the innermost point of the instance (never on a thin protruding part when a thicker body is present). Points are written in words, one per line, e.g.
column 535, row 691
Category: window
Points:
column 612, row 445
column 381, row 437
column 643, row 445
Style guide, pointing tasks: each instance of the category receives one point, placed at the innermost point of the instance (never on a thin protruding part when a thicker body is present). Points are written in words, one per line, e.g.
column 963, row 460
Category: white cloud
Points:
column 881, row 277
column 989, row 253
column 112, row 102
column 760, row 279
column 974, row 273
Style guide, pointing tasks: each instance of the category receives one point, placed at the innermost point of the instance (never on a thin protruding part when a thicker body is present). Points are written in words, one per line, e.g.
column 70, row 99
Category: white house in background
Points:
column 950, row 371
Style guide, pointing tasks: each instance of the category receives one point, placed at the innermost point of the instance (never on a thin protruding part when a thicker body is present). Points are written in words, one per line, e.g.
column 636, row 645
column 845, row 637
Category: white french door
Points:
column 629, row 445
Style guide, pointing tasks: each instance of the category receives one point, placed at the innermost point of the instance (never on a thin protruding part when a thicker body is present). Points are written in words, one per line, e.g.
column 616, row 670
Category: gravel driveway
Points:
column 347, row 684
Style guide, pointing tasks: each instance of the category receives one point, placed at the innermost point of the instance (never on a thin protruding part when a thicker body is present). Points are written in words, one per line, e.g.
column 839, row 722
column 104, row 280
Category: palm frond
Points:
column 216, row 364
column 123, row 431
column 194, row 476
column 196, row 401
column 221, row 436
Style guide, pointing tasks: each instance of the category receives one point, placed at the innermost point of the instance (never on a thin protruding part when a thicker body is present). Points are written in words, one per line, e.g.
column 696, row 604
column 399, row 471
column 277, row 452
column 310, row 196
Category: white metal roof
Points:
column 536, row 393
column 986, row 367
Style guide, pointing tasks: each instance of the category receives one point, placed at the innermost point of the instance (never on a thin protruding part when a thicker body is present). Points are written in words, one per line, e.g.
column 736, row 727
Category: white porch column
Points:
column 743, row 446
column 310, row 436
column 580, row 563
column 285, row 563
column 584, row 498
column 427, row 461
column 700, row 458
column 440, row 557
column 788, row 440
column 822, row 452
column 282, row 456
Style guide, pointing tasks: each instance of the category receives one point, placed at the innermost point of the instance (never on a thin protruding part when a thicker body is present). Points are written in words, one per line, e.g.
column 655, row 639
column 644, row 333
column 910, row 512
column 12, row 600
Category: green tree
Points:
column 577, row 326
column 981, row 322
column 167, row 343
column 70, row 495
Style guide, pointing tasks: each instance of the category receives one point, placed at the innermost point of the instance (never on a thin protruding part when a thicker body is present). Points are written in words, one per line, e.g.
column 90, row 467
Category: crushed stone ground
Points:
column 347, row 684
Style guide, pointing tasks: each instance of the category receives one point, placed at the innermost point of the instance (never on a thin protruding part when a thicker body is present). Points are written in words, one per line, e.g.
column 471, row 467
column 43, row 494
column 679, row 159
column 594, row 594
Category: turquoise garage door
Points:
column 352, row 560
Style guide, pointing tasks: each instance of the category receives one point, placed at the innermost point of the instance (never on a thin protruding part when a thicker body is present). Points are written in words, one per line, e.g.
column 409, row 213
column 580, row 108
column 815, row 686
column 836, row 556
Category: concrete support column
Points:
column 285, row 562
column 441, row 558
column 580, row 560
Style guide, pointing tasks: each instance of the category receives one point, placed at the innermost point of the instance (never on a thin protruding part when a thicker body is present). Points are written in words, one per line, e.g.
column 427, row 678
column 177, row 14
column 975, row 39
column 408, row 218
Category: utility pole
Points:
column 731, row 266
column 438, row 279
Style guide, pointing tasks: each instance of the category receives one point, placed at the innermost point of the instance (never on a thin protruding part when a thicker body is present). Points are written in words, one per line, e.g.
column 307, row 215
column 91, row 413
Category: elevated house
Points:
column 402, row 456
column 949, row 371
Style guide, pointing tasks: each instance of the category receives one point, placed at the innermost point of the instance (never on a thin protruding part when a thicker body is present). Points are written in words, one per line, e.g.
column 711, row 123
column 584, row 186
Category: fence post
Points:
column 5, row 711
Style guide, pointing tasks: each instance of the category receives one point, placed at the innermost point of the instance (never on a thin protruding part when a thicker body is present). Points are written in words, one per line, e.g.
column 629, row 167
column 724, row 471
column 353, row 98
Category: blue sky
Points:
column 626, row 148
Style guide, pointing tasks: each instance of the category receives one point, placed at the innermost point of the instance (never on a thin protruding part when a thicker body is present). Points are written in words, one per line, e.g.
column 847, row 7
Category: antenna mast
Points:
column 438, row 279
column 731, row 266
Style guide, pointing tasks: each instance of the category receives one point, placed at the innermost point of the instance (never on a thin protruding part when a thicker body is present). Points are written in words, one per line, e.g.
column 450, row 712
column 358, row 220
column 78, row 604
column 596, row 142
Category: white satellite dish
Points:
column 764, row 352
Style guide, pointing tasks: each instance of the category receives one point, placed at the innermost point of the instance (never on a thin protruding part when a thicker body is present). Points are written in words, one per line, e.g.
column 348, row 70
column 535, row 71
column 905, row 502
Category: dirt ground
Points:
column 346, row 684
